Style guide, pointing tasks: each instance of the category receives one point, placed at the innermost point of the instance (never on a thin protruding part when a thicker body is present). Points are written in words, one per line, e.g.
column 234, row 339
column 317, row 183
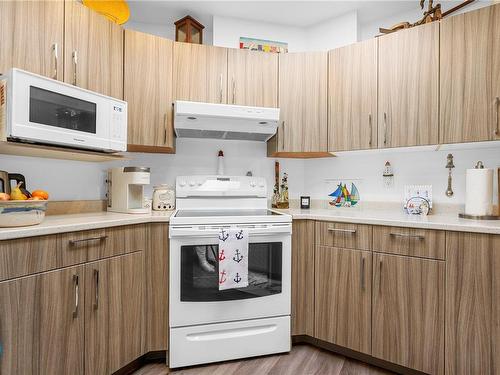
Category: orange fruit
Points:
column 40, row 194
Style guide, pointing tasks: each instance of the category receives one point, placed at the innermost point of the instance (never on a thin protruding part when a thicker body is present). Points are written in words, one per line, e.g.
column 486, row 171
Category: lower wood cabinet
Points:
column 42, row 324
column 114, row 313
column 343, row 297
column 408, row 312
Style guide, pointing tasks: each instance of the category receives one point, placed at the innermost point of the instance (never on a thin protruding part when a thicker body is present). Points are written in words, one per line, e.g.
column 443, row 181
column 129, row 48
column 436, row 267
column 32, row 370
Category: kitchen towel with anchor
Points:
column 233, row 258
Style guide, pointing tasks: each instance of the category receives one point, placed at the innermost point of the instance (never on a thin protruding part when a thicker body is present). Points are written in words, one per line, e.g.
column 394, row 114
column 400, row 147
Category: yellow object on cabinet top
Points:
column 116, row 10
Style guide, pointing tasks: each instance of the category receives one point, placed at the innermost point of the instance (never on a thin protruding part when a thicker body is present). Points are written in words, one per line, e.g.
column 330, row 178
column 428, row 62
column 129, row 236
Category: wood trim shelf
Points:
column 151, row 149
column 302, row 155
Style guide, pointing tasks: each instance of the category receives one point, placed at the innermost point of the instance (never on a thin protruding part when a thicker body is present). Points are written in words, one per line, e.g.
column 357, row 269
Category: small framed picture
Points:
column 305, row 202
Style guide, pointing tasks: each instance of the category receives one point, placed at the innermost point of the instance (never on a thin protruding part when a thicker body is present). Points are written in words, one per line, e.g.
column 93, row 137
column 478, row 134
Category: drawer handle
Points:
column 75, row 242
column 416, row 236
column 96, row 300
column 350, row 231
column 76, row 280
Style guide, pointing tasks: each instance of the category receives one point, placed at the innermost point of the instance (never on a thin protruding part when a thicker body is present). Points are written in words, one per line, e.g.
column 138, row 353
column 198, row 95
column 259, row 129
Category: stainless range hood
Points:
column 224, row 121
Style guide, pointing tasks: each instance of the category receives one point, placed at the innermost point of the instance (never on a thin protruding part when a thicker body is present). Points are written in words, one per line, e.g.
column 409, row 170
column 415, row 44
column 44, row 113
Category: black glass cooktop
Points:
column 225, row 212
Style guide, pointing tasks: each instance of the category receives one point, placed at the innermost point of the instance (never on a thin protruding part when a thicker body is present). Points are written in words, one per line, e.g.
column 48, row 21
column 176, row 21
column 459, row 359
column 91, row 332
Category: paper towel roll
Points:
column 479, row 191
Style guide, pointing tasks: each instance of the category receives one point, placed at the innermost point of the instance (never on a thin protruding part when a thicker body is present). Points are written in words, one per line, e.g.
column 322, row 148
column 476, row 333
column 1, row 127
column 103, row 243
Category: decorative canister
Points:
column 163, row 198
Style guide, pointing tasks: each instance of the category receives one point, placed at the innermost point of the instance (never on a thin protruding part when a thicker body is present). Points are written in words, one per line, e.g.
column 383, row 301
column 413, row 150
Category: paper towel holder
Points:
column 480, row 165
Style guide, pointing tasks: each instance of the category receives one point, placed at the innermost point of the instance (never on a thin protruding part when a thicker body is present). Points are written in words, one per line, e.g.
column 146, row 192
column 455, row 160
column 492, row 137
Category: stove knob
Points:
column 199, row 183
column 182, row 183
column 261, row 185
column 253, row 184
column 192, row 183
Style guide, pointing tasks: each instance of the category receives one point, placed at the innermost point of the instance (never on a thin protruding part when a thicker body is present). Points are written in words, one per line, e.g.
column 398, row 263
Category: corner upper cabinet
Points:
column 352, row 93
column 148, row 92
column 408, row 87
column 200, row 73
column 93, row 50
column 303, row 87
column 470, row 76
column 252, row 78
column 31, row 35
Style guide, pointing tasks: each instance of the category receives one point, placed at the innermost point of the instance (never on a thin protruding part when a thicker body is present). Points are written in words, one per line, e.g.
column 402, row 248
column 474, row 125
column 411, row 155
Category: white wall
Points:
column 333, row 33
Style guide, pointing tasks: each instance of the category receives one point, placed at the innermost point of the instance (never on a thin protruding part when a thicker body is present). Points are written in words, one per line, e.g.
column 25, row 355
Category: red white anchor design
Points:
column 222, row 278
column 222, row 256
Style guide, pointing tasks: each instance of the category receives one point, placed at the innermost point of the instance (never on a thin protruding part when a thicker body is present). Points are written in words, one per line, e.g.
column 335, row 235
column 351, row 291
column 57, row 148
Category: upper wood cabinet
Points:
column 408, row 312
column 252, row 78
column 31, row 36
column 352, row 95
column 148, row 92
column 42, row 324
column 200, row 73
column 303, row 87
column 343, row 297
column 470, row 76
column 408, row 87
column 93, row 51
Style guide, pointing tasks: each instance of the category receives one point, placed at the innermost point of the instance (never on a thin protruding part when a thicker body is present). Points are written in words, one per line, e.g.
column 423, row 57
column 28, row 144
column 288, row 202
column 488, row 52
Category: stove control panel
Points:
column 220, row 186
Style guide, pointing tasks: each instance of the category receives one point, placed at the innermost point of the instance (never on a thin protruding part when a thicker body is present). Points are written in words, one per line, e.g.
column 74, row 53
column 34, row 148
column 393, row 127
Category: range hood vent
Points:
column 224, row 121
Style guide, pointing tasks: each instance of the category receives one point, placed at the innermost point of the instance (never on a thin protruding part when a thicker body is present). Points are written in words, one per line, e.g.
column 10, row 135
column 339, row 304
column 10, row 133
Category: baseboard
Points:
column 156, row 356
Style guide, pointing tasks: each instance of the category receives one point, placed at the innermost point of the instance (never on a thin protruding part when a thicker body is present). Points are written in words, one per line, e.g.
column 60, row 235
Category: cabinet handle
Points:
column 416, row 236
column 75, row 242
column 56, row 56
column 96, row 280
column 363, row 274
column 220, row 93
column 350, row 231
column 371, row 128
column 234, row 90
column 74, row 56
column 76, row 280
column 283, row 135
column 380, row 276
column 385, row 128
column 497, row 127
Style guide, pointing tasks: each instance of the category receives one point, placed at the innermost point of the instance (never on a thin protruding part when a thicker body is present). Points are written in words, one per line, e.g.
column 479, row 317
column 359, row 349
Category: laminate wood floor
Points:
column 303, row 360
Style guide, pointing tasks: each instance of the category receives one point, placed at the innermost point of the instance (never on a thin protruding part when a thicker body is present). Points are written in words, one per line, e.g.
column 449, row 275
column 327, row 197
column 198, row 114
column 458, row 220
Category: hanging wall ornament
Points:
column 388, row 175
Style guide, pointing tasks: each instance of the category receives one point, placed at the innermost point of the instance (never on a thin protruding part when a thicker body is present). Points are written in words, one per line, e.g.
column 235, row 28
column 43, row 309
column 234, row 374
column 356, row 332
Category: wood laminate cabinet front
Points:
column 156, row 278
column 470, row 76
column 352, row 95
column 148, row 92
column 343, row 293
column 472, row 304
column 303, row 87
column 200, row 73
column 114, row 313
column 31, row 35
column 408, row 312
column 252, row 78
column 408, row 87
column 42, row 324
column 303, row 277
column 93, row 50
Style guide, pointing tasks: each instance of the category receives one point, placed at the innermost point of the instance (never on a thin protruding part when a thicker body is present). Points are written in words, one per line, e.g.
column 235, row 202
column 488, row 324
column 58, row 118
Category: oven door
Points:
column 195, row 297
column 43, row 110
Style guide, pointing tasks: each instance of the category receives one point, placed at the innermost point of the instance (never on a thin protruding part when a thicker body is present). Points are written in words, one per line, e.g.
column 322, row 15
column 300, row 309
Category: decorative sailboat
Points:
column 341, row 197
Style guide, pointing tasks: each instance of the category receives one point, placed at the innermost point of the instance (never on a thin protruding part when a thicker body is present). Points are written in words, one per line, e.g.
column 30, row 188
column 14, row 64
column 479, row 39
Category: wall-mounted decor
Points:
column 263, row 45
column 188, row 30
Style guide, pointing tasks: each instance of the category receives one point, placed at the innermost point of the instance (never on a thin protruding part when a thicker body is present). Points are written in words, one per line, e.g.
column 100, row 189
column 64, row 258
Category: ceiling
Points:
column 290, row 13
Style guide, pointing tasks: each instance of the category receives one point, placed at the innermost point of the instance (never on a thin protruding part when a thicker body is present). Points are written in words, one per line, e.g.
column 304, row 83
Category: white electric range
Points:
column 208, row 325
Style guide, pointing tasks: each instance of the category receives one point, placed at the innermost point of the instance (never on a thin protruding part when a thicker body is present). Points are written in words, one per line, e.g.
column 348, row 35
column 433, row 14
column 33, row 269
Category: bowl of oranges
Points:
column 22, row 208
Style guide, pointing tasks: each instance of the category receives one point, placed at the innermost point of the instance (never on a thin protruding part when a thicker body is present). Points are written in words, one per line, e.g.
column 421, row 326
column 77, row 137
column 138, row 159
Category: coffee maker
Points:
column 126, row 189
column 6, row 178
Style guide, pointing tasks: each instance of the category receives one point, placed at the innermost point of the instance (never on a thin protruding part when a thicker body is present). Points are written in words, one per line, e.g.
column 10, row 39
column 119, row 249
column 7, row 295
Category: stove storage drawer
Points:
column 227, row 341
column 344, row 235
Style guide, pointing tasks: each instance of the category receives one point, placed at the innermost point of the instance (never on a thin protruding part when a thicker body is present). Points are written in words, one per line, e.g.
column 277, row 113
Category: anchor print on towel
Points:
column 239, row 235
column 238, row 257
column 222, row 256
column 223, row 235
column 237, row 278
column 222, row 277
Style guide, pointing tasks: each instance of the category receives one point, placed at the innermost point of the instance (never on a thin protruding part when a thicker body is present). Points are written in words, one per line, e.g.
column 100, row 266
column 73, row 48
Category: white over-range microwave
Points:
column 45, row 111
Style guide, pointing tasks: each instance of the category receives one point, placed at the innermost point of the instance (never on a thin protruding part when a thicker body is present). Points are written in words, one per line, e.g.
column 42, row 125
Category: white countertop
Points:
column 448, row 221
column 71, row 223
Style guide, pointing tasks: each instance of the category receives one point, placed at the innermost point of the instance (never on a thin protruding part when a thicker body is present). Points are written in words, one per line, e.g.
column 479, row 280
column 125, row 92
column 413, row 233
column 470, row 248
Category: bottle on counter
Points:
column 220, row 163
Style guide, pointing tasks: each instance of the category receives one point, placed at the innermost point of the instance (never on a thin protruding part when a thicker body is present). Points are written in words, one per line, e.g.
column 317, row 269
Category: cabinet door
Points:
column 200, row 73
column 352, row 93
column 303, row 277
column 303, row 102
column 114, row 318
column 343, row 297
column 408, row 87
column 41, row 324
column 408, row 312
column 472, row 305
column 148, row 91
column 31, row 35
column 252, row 78
column 470, row 77
column 93, row 50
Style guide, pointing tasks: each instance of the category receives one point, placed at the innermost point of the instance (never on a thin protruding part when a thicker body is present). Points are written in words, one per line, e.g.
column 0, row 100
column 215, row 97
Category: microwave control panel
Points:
column 118, row 128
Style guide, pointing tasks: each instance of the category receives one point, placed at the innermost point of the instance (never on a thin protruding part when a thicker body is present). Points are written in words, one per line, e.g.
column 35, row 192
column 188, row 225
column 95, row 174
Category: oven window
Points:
column 62, row 111
column 200, row 270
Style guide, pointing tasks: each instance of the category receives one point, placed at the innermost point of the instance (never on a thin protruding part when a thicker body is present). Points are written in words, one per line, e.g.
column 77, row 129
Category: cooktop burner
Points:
column 225, row 212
